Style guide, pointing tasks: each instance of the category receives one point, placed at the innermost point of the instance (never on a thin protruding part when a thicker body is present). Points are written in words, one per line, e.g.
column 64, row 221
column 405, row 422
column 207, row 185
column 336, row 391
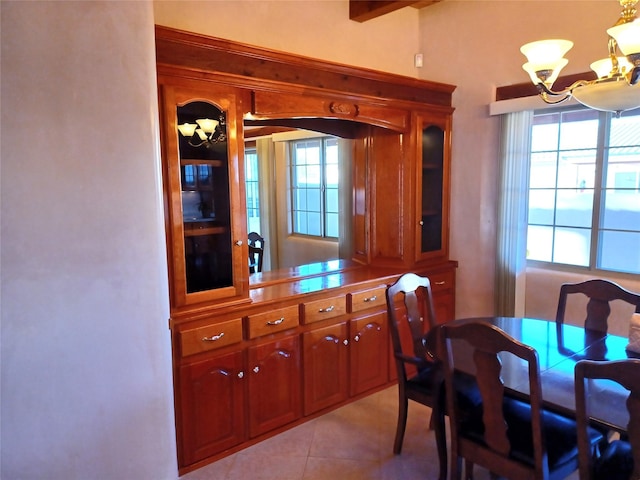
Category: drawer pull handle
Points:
column 276, row 322
column 371, row 299
column 440, row 283
column 327, row 310
column 213, row 338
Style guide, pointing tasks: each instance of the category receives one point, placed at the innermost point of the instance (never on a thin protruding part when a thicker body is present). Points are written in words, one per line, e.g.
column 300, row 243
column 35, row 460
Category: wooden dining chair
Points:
column 256, row 252
column 512, row 437
column 411, row 314
column 600, row 293
column 619, row 459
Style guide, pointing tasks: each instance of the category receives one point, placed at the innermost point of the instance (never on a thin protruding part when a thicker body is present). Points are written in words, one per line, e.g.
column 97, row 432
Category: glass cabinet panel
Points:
column 204, row 184
column 433, row 138
column 432, row 178
column 202, row 175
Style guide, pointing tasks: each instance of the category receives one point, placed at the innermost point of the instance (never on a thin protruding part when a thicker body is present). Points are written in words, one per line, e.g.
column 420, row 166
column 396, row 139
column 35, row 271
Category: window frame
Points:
column 252, row 186
column 597, row 227
column 324, row 187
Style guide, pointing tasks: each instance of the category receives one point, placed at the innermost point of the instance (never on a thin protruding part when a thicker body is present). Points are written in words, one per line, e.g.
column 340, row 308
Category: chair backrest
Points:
column 481, row 433
column 600, row 293
column 256, row 240
column 256, row 252
column 410, row 297
column 627, row 374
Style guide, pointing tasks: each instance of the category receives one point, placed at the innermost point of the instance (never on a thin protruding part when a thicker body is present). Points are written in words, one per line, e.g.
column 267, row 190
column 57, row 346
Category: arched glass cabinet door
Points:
column 202, row 169
column 433, row 142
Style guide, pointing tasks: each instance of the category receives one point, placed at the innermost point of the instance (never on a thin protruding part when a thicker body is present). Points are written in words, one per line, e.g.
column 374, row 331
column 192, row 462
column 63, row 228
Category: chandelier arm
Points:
column 551, row 101
column 542, row 88
column 197, row 145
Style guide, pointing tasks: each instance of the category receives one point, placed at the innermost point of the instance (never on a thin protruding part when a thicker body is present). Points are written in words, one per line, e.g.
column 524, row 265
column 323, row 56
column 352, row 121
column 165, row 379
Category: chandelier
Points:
column 617, row 88
column 205, row 132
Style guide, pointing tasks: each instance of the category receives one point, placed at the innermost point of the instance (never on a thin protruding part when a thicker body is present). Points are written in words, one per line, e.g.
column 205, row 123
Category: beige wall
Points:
column 85, row 353
column 318, row 29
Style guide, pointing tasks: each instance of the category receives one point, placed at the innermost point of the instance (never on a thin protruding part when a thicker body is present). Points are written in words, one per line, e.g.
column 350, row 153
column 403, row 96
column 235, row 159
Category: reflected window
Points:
column 313, row 178
column 251, row 174
column 584, row 190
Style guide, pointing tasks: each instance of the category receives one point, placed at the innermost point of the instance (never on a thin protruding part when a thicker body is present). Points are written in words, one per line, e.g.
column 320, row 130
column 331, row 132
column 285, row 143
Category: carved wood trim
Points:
column 215, row 55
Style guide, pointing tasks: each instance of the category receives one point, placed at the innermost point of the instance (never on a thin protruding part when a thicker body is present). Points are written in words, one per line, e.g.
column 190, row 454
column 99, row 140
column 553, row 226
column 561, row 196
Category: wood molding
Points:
column 214, row 55
column 363, row 10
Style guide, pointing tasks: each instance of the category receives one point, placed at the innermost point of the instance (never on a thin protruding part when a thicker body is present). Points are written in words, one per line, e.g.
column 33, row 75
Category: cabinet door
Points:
column 203, row 174
column 274, row 385
column 368, row 352
column 325, row 367
column 433, row 139
column 211, row 407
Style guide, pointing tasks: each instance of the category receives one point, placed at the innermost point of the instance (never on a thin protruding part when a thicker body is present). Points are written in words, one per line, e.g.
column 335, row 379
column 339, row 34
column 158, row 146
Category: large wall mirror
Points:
column 300, row 191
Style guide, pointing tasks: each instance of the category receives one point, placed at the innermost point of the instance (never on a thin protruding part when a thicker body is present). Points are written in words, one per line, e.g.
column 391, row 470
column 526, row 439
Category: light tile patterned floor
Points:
column 354, row 442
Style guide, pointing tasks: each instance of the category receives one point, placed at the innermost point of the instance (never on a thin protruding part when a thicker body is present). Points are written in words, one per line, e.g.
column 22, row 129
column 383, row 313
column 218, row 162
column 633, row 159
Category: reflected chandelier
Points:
column 617, row 88
column 205, row 131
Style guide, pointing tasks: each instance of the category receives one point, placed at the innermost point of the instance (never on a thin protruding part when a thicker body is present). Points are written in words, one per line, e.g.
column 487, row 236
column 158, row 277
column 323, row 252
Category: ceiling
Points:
column 363, row 10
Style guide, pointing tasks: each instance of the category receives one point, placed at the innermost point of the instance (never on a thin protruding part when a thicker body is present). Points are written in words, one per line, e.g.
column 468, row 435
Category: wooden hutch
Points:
column 252, row 358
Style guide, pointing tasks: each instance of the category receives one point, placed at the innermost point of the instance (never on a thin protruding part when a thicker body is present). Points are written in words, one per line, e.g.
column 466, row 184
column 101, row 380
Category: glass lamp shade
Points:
column 545, row 56
column 627, row 36
column 201, row 134
column 187, row 129
column 545, row 52
column 609, row 96
column 553, row 68
column 604, row 66
column 207, row 124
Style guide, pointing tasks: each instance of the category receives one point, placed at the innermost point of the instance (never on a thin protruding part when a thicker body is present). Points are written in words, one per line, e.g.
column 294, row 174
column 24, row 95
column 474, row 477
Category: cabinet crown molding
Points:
column 216, row 55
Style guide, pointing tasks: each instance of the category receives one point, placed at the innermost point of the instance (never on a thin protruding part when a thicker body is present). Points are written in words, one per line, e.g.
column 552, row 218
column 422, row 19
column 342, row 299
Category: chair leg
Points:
column 403, row 405
column 438, row 424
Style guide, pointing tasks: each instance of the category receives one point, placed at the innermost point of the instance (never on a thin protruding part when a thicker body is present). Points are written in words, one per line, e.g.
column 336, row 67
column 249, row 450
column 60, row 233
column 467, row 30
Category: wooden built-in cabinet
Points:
column 251, row 359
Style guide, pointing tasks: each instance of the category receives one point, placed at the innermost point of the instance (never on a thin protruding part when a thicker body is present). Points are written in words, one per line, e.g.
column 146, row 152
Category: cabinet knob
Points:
column 238, row 243
column 421, row 222
column 240, row 374
column 356, row 338
column 345, row 342
column 256, row 369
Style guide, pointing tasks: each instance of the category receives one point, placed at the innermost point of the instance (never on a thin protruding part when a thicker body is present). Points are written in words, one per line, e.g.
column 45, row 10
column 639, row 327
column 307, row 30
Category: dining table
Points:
column 559, row 346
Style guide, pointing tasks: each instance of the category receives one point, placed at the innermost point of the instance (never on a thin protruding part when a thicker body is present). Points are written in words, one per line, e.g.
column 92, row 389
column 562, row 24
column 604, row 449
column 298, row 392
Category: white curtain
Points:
column 513, row 199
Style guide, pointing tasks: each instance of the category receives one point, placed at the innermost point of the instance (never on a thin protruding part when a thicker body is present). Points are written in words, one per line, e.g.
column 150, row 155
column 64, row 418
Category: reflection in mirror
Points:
column 299, row 192
column 204, row 176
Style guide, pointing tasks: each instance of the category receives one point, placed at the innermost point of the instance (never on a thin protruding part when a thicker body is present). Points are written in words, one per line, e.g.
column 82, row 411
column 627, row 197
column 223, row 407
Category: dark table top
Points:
column 559, row 349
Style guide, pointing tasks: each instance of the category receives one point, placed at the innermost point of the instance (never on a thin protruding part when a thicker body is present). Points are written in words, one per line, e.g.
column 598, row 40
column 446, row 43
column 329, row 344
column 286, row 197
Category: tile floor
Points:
column 354, row 442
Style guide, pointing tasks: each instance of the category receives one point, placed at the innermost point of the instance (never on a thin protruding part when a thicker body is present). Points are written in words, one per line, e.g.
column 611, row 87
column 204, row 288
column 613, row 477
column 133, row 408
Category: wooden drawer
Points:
column 202, row 339
column 271, row 322
column 323, row 309
column 442, row 281
column 372, row 297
